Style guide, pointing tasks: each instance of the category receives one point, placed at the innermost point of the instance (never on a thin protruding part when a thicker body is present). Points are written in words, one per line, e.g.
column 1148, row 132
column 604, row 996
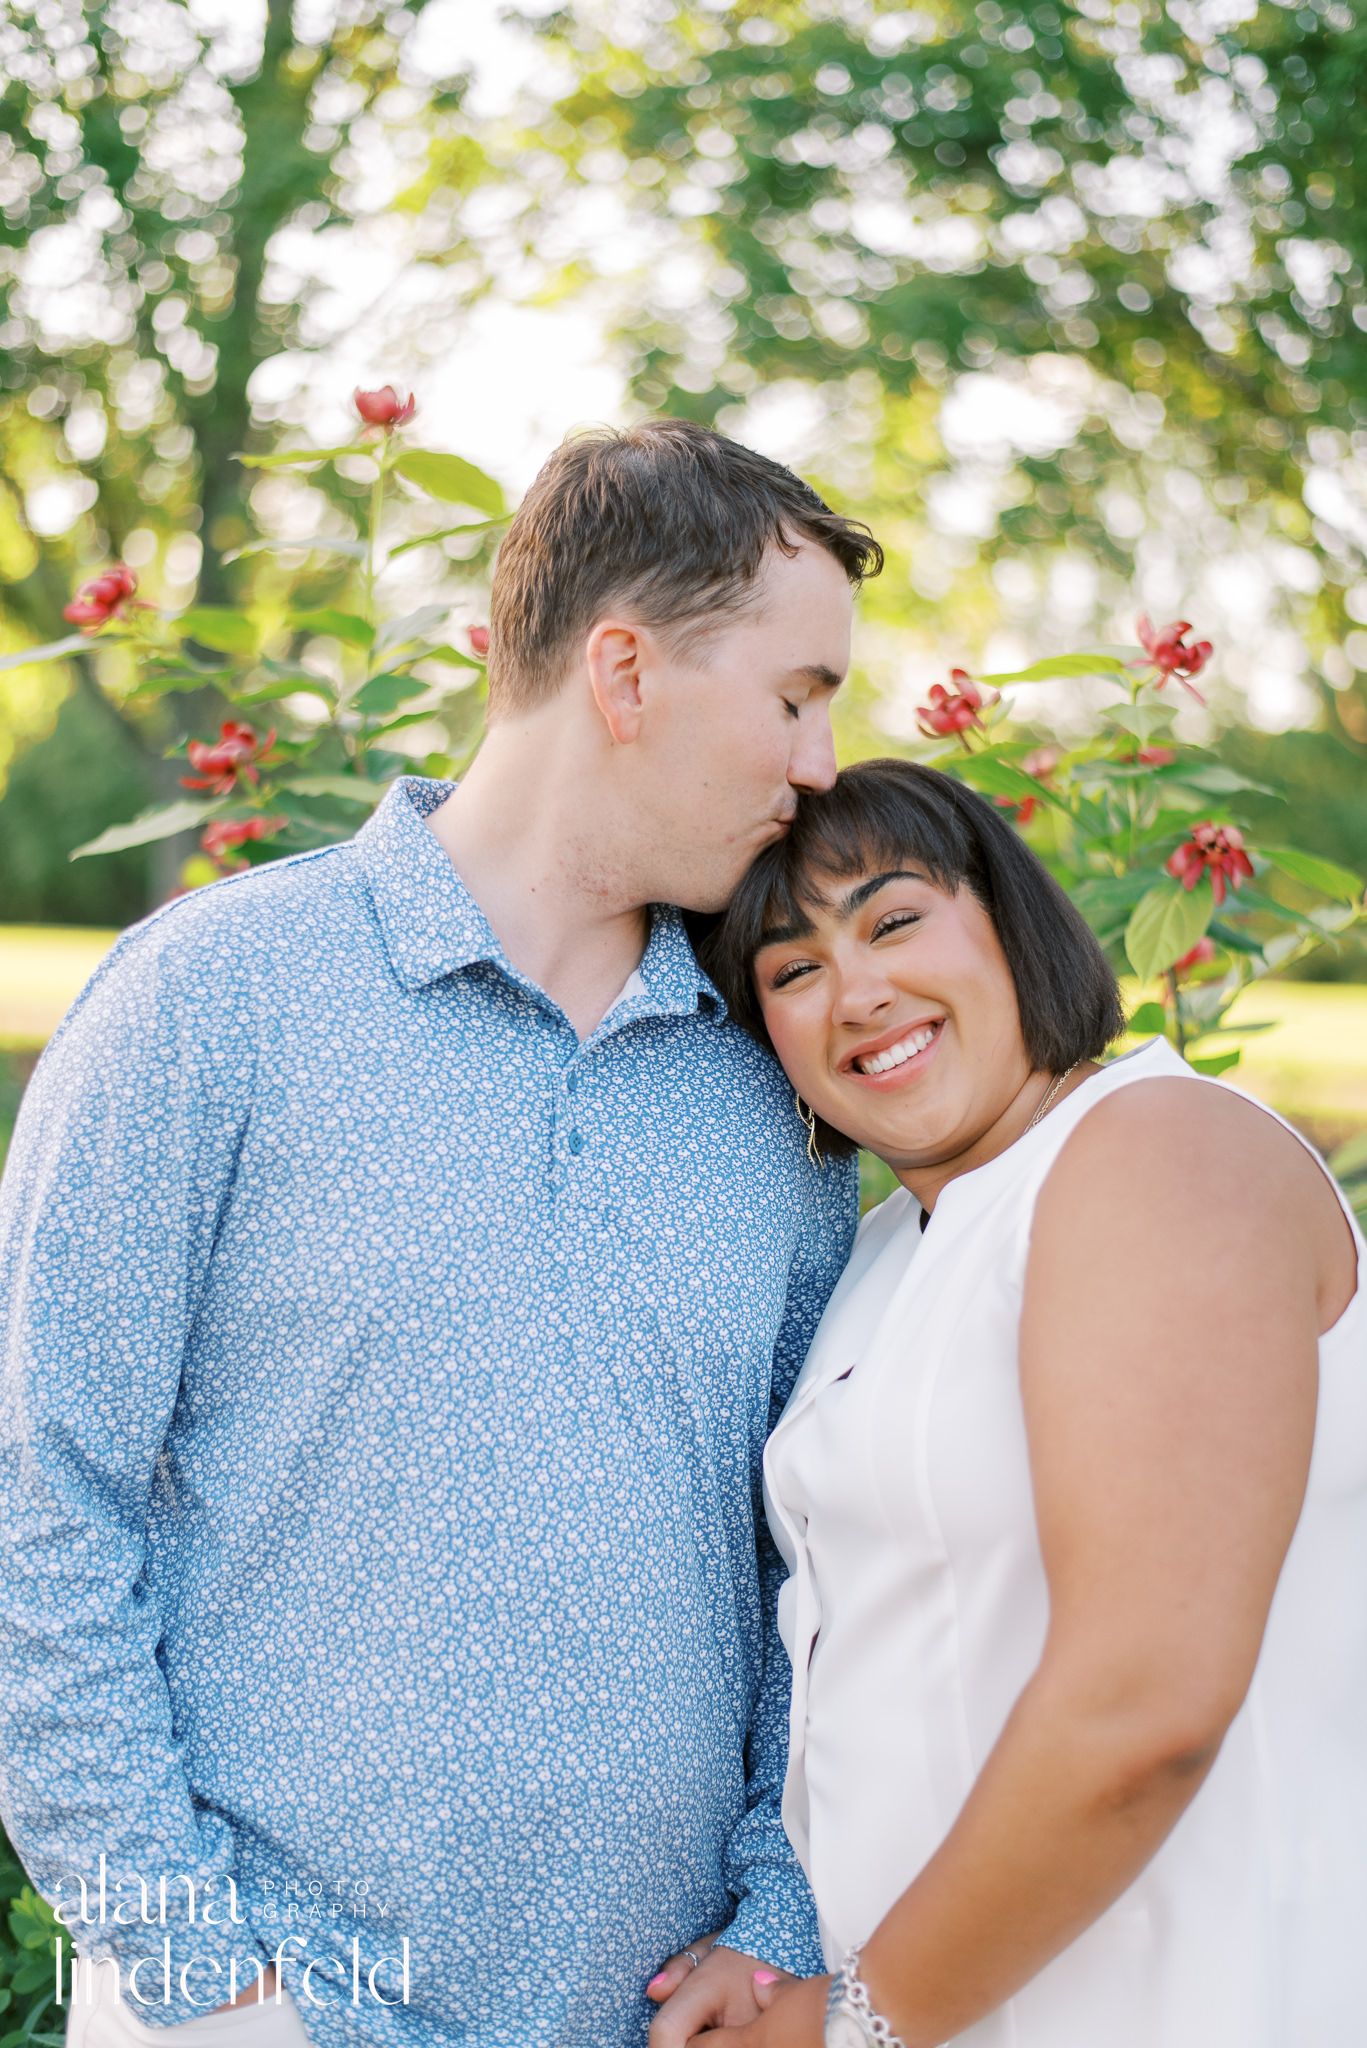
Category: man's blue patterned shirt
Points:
column 385, row 1380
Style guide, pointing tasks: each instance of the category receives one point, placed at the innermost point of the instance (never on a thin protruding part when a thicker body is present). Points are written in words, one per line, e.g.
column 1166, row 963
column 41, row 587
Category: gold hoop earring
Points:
column 808, row 1117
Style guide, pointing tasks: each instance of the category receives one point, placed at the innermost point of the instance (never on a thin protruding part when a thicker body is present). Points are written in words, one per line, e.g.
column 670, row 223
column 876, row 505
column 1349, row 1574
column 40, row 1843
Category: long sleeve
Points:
column 121, row 1164
column 776, row 1919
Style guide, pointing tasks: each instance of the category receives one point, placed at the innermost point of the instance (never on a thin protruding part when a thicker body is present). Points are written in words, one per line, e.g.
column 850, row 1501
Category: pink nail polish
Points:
column 656, row 1981
column 765, row 1976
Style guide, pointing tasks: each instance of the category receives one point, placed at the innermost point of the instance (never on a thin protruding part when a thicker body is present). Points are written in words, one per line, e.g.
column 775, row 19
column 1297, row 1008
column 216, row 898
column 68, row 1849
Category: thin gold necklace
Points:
column 1050, row 1098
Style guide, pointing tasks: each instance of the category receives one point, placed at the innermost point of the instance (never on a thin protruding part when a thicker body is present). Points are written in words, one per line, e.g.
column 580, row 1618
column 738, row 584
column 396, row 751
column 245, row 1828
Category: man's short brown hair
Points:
column 669, row 521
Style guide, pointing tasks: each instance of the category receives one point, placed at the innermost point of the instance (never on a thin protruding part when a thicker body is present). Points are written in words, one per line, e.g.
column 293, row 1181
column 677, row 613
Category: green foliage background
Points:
column 28, row 1930
column 869, row 202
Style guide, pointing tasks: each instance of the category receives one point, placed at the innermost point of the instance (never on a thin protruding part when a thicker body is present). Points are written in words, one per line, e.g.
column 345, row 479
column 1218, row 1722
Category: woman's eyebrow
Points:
column 784, row 934
column 860, row 895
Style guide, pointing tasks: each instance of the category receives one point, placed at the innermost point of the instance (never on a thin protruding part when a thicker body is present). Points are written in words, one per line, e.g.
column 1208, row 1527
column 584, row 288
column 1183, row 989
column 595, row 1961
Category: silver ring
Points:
column 691, row 1957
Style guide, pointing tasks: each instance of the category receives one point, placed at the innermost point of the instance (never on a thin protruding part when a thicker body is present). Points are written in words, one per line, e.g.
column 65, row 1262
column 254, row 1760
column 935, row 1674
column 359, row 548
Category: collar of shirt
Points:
column 431, row 926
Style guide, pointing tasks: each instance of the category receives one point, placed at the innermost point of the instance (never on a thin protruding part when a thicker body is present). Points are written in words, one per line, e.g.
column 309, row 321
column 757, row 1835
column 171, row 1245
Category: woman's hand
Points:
column 722, row 1994
column 792, row 2015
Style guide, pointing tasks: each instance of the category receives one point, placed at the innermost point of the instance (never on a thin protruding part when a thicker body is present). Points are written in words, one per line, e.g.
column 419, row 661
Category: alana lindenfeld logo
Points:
column 386, row 1980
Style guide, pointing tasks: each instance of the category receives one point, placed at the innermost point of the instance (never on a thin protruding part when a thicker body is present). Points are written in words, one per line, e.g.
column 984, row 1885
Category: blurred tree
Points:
column 150, row 154
column 1147, row 222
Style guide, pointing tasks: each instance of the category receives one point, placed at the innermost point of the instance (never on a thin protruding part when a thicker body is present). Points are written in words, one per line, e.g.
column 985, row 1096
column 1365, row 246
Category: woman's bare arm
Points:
column 1186, row 1254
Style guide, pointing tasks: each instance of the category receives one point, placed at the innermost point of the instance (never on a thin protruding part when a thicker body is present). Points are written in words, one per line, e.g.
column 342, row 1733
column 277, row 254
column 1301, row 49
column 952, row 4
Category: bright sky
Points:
column 516, row 379
column 504, row 383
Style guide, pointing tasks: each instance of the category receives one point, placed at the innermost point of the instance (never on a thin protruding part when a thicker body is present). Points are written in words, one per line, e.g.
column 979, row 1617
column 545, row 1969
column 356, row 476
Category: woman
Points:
column 1072, row 1489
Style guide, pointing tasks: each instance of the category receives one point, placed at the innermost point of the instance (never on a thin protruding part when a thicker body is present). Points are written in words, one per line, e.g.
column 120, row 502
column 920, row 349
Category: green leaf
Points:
column 999, row 778
column 1166, row 923
column 452, row 656
column 1141, row 720
column 1057, row 665
column 1149, row 1017
column 307, row 685
column 349, row 788
column 1231, row 938
column 162, row 823
column 412, row 626
column 160, row 682
column 217, row 626
column 52, row 650
column 379, row 732
column 452, row 479
column 35, row 1973
column 318, row 545
column 287, row 458
column 1222, row 781
column 1220, row 1063
column 6, row 1995
column 386, row 693
column 1315, row 873
column 32, row 1922
column 445, row 533
column 1249, row 898
column 356, row 632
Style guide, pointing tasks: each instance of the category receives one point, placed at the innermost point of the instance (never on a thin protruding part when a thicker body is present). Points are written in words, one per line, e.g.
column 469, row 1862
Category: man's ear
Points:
column 616, row 653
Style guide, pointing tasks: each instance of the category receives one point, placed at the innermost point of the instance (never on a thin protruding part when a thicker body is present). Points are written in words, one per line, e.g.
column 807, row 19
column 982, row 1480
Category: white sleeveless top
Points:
column 898, row 1489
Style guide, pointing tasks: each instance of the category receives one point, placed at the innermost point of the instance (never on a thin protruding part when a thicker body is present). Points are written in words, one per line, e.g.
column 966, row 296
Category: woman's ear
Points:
column 615, row 654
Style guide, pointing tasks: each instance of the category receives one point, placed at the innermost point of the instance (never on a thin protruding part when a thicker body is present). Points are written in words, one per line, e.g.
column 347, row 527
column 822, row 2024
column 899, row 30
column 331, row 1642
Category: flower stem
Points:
column 1180, row 1034
column 368, row 598
column 376, row 511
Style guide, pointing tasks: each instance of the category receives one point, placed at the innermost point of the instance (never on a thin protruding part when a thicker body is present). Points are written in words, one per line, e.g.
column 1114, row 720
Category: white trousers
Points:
column 106, row 2021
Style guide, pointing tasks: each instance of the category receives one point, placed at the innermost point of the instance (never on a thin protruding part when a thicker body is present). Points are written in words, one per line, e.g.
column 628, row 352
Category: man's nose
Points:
column 812, row 762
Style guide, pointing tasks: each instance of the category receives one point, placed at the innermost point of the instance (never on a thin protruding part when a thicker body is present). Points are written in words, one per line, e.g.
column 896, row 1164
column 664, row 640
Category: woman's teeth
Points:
column 897, row 1055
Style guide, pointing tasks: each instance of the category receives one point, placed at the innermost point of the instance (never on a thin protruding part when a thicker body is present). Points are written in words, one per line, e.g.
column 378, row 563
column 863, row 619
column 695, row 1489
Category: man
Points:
column 403, row 1261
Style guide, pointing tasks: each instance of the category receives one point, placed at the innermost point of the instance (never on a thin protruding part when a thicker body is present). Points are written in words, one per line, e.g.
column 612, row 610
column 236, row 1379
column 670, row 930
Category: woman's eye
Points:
column 896, row 921
column 793, row 971
column 792, row 709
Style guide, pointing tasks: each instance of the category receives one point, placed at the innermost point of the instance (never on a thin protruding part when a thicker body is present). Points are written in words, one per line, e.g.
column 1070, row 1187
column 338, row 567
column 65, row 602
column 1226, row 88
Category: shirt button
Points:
column 573, row 1084
column 576, row 1142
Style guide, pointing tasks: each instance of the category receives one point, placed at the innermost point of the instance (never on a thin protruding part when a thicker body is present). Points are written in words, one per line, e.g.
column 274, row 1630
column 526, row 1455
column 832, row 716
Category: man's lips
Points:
column 900, row 1052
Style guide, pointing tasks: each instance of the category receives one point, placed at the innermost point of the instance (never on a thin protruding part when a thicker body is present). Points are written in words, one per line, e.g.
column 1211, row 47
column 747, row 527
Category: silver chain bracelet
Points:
column 851, row 2021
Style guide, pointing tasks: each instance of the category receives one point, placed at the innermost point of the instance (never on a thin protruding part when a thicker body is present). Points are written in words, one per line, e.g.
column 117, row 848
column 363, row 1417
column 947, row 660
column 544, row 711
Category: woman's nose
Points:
column 860, row 995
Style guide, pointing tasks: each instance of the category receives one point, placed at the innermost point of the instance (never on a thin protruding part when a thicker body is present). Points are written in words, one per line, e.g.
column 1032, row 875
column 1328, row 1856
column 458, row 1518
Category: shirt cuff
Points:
column 777, row 1925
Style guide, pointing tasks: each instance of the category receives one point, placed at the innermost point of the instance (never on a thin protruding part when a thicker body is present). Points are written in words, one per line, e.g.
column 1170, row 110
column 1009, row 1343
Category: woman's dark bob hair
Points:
column 879, row 816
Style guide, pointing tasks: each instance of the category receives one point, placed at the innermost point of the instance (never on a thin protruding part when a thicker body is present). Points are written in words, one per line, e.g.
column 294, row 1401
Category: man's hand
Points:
column 721, row 1992
column 793, row 2015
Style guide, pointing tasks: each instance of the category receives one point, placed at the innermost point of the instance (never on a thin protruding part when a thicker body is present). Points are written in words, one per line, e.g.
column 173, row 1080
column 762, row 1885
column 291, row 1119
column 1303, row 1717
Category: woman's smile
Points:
column 897, row 1056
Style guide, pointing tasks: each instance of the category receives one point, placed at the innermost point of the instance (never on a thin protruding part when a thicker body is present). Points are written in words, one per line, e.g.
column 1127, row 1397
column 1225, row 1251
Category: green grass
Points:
column 1312, row 1067
column 43, row 968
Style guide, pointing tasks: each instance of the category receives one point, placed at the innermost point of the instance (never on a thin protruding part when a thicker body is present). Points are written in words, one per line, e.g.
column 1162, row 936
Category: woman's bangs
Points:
column 840, row 841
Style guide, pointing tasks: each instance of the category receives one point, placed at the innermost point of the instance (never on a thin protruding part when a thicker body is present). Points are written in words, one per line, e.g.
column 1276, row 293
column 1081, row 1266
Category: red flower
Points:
column 1022, row 808
column 1217, row 848
column 479, row 640
column 223, row 835
column 384, row 408
column 220, row 765
column 954, row 711
column 1201, row 952
column 1169, row 656
column 103, row 599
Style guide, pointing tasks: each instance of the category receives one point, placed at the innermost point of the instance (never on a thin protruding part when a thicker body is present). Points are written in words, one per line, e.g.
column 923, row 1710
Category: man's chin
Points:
column 708, row 895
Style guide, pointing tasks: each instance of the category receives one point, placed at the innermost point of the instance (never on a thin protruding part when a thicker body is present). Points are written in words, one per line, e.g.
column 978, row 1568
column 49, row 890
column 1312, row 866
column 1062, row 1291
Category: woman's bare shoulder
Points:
column 1173, row 1157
